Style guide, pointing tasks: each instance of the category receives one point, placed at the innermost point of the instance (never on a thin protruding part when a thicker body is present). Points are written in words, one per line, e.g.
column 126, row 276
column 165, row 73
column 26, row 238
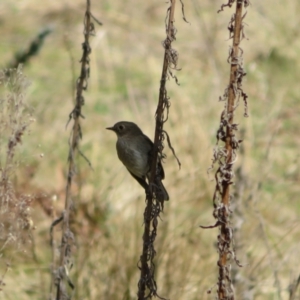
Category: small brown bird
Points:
column 134, row 150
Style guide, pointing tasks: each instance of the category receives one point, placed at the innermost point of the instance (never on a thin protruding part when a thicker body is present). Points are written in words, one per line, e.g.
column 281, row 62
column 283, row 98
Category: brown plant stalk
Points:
column 67, row 240
column 226, row 155
column 16, row 223
column 153, row 206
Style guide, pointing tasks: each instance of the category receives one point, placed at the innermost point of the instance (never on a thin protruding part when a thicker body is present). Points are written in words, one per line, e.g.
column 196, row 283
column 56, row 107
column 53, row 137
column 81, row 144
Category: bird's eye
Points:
column 121, row 127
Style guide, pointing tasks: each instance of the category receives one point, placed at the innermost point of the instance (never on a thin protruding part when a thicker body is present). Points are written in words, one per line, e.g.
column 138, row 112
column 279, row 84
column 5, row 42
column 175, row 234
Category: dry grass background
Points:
column 125, row 71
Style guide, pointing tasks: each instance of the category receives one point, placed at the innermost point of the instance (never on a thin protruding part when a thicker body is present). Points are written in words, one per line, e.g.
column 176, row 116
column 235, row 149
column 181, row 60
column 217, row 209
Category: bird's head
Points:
column 125, row 128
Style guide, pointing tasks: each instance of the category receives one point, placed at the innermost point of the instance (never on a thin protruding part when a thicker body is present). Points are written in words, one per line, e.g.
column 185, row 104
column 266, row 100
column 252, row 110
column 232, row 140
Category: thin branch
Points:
column 225, row 156
column 62, row 279
column 153, row 206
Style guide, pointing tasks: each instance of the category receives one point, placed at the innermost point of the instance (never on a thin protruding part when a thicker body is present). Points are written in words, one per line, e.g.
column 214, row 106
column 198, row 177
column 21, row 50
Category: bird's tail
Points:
column 161, row 192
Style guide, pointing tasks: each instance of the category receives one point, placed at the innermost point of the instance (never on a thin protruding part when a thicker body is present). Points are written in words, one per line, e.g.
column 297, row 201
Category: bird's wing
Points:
column 159, row 165
column 161, row 170
column 140, row 180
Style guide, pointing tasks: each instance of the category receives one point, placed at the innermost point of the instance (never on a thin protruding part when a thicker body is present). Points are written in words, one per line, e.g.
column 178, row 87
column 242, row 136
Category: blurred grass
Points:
column 125, row 73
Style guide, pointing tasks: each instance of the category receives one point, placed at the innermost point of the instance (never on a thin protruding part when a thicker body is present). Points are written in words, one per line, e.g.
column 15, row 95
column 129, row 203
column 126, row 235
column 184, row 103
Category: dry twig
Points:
column 225, row 156
column 153, row 206
column 62, row 279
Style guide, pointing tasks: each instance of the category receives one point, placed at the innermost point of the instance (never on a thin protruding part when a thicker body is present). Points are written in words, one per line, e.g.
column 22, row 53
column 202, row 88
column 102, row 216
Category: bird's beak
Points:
column 110, row 128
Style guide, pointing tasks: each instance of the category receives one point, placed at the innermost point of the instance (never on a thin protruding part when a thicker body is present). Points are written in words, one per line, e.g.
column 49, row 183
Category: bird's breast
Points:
column 134, row 155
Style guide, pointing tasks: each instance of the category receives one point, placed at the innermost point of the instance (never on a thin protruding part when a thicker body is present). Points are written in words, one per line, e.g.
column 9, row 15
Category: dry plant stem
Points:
column 23, row 57
column 231, row 99
column 67, row 240
column 15, row 118
column 293, row 289
column 226, row 156
column 53, row 249
column 153, row 207
column 225, row 237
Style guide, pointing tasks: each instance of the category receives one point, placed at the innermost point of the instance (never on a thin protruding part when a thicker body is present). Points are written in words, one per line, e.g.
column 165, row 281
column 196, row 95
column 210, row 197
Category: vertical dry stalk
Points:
column 154, row 207
column 226, row 155
column 15, row 208
column 67, row 240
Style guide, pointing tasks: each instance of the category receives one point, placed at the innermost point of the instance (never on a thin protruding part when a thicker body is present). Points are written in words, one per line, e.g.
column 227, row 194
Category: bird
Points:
column 134, row 150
